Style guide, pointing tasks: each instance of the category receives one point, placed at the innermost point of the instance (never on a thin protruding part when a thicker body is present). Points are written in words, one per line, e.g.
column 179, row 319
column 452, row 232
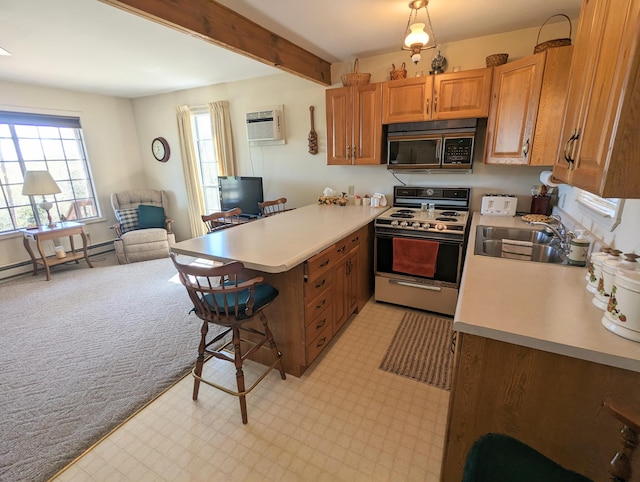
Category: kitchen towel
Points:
column 415, row 256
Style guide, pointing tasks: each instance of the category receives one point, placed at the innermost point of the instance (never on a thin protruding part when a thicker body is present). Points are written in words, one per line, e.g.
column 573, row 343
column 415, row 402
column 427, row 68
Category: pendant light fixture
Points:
column 416, row 39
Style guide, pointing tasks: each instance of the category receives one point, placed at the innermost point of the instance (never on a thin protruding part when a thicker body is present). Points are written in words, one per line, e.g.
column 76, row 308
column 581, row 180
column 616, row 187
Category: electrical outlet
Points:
column 351, row 190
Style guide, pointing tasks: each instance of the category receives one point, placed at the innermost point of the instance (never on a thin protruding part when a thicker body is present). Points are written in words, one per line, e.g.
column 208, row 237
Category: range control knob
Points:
column 394, row 223
column 416, row 224
column 404, row 224
column 426, row 226
column 440, row 227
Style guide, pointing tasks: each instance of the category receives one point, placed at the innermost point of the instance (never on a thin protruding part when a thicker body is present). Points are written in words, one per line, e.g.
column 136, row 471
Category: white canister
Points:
column 609, row 268
column 595, row 269
column 60, row 252
column 623, row 309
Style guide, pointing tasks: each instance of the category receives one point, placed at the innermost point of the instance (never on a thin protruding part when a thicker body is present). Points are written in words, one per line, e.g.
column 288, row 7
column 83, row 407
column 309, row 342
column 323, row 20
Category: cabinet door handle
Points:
column 568, row 146
column 355, row 152
column 525, row 149
column 427, row 106
column 348, row 151
column 321, row 284
column 325, row 263
column 321, row 323
column 321, row 342
column 341, row 250
column 435, row 103
column 322, row 303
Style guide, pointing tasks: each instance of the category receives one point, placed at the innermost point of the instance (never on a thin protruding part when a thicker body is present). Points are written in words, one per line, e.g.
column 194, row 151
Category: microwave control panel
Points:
column 457, row 150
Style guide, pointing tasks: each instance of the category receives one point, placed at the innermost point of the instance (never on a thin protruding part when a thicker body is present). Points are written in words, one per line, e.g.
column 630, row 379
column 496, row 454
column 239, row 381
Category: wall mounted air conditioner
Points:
column 264, row 125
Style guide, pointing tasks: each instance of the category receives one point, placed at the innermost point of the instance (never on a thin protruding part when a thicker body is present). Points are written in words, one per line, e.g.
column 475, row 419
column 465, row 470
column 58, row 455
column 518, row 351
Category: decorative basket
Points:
column 497, row 59
column 355, row 77
column 400, row 73
column 549, row 44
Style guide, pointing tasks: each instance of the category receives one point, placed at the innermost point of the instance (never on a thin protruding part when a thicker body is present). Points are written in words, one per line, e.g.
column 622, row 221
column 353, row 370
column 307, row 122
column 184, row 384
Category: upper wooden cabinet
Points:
column 354, row 124
column 527, row 105
column 599, row 149
column 457, row 95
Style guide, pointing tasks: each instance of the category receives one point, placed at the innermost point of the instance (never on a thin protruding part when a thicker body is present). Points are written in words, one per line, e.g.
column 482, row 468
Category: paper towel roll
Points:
column 546, row 179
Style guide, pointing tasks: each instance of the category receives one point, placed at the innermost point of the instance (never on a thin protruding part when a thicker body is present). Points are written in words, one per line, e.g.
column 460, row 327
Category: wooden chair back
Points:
column 222, row 219
column 214, row 290
column 269, row 208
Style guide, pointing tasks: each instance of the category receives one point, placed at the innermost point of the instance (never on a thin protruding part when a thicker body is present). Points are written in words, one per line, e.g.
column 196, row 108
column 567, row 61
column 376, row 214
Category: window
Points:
column 207, row 161
column 30, row 142
column 605, row 212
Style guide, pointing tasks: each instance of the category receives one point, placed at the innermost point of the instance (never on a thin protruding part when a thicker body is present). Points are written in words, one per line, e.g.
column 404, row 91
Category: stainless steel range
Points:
column 419, row 247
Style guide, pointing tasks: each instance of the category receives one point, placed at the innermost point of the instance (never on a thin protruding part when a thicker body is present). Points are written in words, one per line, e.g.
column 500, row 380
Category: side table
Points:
column 43, row 233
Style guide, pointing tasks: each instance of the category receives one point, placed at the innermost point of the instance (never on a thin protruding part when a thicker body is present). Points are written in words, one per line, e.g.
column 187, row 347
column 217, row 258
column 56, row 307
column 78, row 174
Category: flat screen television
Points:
column 241, row 192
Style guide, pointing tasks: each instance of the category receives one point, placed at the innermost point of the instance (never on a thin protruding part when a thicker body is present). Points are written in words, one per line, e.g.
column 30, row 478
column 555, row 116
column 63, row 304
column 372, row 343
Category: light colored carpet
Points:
column 421, row 349
column 81, row 353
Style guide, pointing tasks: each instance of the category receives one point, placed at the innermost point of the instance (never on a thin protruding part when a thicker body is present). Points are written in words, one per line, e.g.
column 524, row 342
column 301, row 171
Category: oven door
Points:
column 448, row 263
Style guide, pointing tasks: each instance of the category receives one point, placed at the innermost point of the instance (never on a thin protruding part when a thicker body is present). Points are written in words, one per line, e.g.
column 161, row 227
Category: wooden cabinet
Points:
column 354, row 125
column 457, row 95
column 599, row 147
column 546, row 400
column 318, row 300
column 527, row 105
column 345, row 281
column 335, row 287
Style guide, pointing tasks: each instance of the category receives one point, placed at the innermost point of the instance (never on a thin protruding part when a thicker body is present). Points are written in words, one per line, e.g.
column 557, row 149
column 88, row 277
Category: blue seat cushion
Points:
column 501, row 458
column 263, row 295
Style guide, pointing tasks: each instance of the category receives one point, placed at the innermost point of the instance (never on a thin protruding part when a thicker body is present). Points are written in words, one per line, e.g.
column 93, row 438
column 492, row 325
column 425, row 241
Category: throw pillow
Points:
column 150, row 216
column 128, row 219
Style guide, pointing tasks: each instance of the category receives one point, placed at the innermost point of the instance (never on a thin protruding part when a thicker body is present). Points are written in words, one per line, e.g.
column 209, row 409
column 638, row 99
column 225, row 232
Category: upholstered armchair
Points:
column 143, row 230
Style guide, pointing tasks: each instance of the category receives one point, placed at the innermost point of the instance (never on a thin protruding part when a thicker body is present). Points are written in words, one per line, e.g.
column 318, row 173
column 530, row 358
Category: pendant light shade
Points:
column 416, row 36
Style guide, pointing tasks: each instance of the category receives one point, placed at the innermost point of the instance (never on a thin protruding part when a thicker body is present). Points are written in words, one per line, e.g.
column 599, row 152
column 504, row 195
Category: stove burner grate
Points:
column 401, row 215
column 404, row 211
column 447, row 220
column 449, row 213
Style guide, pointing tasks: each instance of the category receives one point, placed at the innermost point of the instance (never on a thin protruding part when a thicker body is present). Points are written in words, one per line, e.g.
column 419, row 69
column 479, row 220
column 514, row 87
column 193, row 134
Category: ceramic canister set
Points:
column 615, row 283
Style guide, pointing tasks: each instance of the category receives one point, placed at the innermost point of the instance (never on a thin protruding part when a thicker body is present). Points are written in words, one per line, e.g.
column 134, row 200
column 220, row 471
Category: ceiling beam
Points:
column 225, row 28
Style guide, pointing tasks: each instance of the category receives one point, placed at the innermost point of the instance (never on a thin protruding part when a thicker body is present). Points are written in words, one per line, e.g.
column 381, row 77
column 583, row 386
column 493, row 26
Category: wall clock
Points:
column 160, row 149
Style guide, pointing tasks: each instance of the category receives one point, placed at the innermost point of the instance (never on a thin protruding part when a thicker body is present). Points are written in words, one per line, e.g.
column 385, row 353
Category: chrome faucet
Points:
column 564, row 236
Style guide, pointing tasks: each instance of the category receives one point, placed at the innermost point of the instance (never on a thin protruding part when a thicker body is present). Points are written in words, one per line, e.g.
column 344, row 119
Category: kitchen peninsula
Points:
column 534, row 361
column 319, row 257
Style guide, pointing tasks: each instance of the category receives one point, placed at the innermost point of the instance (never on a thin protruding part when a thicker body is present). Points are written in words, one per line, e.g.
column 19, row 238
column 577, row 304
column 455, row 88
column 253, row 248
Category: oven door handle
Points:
column 415, row 285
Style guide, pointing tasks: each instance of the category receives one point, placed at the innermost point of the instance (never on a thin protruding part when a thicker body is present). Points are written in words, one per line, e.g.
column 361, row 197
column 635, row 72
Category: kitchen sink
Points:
column 489, row 243
column 518, row 234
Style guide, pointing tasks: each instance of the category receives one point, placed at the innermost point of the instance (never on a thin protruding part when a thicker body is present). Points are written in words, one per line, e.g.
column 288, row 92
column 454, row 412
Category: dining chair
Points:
column 220, row 297
column 269, row 208
column 222, row 219
column 496, row 457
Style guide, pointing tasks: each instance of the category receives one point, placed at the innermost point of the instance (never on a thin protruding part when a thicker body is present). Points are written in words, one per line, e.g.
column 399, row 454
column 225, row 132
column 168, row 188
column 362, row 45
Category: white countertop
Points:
column 537, row 305
column 278, row 243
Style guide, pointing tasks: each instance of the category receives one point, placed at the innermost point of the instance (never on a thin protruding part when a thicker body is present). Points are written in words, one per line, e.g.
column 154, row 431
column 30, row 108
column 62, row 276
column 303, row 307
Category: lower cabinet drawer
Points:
column 319, row 323
column 319, row 342
column 318, row 304
column 313, row 287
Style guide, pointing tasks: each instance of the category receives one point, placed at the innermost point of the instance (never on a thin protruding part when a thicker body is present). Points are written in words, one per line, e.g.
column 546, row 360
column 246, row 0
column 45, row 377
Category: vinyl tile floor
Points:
column 344, row 419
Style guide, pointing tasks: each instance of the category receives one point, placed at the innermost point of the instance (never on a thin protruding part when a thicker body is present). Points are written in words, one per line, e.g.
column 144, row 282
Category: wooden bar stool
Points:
column 222, row 219
column 221, row 298
column 269, row 208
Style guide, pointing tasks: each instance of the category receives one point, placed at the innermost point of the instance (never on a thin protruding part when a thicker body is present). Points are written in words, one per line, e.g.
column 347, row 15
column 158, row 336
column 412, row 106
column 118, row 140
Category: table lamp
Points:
column 40, row 183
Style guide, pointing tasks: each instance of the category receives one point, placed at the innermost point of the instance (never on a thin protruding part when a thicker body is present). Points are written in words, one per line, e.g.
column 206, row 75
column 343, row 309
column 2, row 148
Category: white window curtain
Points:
column 223, row 145
column 193, row 184
column 222, row 138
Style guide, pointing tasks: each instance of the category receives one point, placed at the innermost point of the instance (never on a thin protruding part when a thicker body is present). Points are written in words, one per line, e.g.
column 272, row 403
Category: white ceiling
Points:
column 89, row 46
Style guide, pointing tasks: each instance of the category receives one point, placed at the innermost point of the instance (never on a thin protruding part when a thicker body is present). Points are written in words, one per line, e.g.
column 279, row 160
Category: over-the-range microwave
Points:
column 430, row 145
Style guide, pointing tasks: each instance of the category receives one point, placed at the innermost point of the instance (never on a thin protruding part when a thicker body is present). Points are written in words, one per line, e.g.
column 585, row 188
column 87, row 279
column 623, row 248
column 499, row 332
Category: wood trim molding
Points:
column 225, row 28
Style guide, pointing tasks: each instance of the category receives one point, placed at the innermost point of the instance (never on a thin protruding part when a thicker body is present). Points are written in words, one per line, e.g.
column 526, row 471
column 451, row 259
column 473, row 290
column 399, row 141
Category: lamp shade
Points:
column 39, row 183
column 417, row 36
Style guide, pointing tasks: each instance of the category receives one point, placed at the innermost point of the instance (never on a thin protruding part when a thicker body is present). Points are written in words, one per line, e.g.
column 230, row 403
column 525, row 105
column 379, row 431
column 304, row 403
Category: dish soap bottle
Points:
column 578, row 249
